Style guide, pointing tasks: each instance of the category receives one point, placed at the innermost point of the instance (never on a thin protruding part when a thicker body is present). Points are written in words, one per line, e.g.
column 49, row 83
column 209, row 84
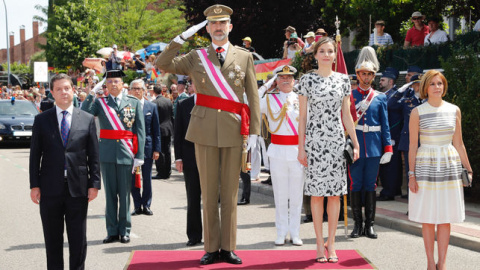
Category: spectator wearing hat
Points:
column 416, row 35
column 291, row 46
column 289, row 31
column 381, row 38
column 309, row 41
column 320, row 33
column 139, row 62
column 390, row 174
column 247, row 44
column 115, row 59
column 436, row 35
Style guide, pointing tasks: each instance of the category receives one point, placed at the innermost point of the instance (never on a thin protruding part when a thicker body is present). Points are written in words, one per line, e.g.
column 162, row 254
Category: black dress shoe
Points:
column 110, row 239
column 147, row 211
column 191, row 243
column 230, row 257
column 209, row 258
column 268, row 181
column 265, row 171
column 243, row 201
column 404, row 196
column 124, row 239
column 137, row 211
column 383, row 198
column 307, row 219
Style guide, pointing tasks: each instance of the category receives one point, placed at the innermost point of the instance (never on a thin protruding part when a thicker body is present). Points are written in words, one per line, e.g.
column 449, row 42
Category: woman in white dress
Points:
column 436, row 197
column 325, row 94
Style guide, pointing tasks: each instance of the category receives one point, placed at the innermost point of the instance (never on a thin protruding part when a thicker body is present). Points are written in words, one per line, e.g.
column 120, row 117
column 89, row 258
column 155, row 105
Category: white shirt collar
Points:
column 69, row 110
column 142, row 101
column 225, row 47
column 119, row 97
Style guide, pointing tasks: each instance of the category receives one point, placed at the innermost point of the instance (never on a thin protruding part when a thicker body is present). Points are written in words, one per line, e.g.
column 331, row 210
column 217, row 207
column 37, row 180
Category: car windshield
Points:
column 19, row 109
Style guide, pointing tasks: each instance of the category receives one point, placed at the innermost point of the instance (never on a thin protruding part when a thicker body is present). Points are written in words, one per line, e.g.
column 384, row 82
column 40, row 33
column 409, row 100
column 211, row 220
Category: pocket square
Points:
column 149, row 113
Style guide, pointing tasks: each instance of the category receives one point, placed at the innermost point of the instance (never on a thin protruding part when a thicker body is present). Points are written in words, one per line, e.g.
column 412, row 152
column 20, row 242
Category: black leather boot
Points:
column 356, row 205
column 370, row 205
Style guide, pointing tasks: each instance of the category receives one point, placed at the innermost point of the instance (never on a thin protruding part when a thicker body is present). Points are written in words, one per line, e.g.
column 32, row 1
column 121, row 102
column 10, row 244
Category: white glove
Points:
column 98, row 86
column 404, row 88
column 194, row 29
column 266, row 86
column 386, row 157
column 252, row 141
column 137, row 163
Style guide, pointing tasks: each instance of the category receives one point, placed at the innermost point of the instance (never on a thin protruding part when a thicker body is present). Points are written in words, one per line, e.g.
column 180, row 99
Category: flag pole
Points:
column 338, row 40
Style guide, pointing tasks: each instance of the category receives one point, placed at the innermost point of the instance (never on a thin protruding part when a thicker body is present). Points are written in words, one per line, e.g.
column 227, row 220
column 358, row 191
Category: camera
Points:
column 291, row 41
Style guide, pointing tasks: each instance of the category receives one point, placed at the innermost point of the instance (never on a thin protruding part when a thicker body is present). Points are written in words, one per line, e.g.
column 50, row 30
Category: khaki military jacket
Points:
column 210, row 126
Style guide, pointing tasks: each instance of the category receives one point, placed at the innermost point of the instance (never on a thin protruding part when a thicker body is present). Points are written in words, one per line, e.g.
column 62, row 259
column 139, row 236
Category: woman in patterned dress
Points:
column 436, row 197
column 326, row 96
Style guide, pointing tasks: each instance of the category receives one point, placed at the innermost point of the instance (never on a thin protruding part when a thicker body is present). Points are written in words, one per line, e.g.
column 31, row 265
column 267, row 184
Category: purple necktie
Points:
column 64, row 128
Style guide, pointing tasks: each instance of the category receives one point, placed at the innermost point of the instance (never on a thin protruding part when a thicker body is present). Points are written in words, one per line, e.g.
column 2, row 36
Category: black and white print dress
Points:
column 326, row 173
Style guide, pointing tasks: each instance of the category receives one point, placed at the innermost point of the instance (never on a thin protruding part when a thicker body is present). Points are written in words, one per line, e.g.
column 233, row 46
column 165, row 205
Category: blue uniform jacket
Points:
column 395, row 119
column 374, row 144
column 152, row 129
column 405, row 103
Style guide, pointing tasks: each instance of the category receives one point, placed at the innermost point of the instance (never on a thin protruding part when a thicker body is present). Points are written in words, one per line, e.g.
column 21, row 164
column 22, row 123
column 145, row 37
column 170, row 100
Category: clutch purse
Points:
column 348, row 152
column 466, row 180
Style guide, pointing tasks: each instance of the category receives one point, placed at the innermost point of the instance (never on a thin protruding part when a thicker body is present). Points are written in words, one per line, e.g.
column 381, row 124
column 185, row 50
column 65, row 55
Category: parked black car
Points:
column 16, row 120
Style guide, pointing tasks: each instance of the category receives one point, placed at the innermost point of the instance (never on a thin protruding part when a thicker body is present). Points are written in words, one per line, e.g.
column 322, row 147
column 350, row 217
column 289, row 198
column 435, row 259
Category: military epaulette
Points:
column 132, row 97
column 241, row 48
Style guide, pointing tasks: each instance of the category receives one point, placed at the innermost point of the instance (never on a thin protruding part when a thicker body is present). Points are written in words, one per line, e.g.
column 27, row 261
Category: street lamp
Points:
column 8, row 47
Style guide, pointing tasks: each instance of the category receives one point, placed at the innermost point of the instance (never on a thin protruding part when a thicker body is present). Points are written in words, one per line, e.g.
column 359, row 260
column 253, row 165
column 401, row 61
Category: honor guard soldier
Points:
column 280, row 110
column 404, row 103
column 122, row 143
column 373, row 135
column 222, row 73
column 391, row 173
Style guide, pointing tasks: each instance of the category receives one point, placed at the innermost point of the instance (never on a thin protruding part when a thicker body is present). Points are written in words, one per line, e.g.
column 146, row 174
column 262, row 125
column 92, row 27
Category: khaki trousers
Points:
column 219, row 170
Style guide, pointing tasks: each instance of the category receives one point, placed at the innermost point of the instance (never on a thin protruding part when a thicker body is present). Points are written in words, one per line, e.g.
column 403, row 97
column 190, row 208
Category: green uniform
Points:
column 115, row 161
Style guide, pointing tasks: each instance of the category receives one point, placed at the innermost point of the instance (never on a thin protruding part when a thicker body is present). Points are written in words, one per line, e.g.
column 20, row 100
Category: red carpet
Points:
column 252, row 259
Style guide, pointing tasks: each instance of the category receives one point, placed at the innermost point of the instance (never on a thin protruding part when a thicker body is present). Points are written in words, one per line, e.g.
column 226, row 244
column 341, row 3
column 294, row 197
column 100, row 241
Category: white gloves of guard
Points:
column 404, row 88
column 266, row 86
column 98, row 86
column 252, row 141
column 194, row 29
column 386, row 157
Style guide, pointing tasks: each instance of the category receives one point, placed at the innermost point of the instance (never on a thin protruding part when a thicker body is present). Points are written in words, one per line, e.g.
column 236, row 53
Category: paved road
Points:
column 22, row 239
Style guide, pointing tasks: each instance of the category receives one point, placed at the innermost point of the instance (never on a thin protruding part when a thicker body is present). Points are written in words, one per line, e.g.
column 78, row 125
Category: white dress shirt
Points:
column 68, row 117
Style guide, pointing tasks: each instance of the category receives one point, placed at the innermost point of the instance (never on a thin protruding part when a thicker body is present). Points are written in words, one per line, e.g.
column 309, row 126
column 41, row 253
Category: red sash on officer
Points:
column 285, row 139
column 118, row 131
column 227, row 105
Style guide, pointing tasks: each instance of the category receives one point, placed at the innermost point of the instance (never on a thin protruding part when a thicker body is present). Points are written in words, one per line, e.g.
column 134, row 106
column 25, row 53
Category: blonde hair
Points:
column 427, row 78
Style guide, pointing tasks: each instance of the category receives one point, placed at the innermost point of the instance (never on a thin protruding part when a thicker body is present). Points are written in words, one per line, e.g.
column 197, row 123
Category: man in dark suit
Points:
column 64, row 173
column 185, row 162
column 152, row 150
column 165, row 112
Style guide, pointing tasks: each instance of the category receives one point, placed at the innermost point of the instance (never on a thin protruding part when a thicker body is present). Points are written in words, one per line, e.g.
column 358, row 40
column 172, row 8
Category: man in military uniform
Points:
column 391, row 173
column 122, row 143
column 222, row 74
column 373, row 135
column 405, row 104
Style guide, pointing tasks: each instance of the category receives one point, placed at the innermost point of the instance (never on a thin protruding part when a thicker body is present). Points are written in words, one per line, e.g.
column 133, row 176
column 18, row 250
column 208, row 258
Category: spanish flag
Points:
column 154, row 74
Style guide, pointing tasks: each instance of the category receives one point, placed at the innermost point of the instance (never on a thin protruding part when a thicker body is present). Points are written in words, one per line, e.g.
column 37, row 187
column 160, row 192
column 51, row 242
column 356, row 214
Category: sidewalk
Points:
column 393, row 215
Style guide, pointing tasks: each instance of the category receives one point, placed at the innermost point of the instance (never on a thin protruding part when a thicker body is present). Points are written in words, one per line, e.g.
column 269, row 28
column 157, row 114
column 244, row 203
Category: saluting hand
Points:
column 194, row 29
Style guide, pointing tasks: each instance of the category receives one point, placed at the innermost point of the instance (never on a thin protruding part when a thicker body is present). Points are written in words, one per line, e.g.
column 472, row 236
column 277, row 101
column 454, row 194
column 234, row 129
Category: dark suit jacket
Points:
column 152, row 129
column 165, row 113
column 48, row 156
column 184, row 150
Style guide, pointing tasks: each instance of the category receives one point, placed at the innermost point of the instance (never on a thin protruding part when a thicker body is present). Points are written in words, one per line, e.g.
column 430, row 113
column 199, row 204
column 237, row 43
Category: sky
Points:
column 20, row 12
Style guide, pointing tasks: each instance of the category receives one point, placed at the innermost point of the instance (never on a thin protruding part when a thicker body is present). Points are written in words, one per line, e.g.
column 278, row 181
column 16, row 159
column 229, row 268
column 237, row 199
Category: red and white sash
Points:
column 289, row 120
column 363, row 105
column 116, row 125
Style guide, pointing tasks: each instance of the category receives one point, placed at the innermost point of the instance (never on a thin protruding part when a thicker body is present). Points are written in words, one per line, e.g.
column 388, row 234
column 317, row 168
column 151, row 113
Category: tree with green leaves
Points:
column 77, row 33
column 134, row 24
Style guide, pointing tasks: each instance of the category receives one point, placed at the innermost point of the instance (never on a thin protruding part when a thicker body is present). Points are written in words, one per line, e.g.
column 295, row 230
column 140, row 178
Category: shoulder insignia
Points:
column 241, row 48
column 130, row 96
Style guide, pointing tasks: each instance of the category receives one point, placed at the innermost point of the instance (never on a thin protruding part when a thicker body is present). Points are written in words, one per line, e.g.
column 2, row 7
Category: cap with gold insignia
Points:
column 285, row 70
column 218, row 13
column 114, row 73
